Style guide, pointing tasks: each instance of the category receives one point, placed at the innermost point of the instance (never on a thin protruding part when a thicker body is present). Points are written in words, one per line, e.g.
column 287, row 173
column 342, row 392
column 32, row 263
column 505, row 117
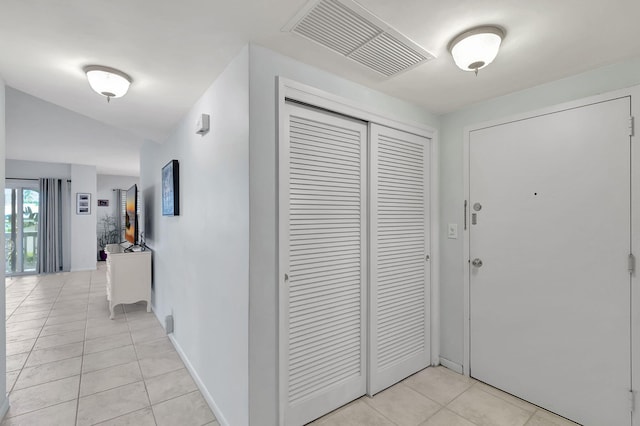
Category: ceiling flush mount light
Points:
column 475, row 49
column 107, row 81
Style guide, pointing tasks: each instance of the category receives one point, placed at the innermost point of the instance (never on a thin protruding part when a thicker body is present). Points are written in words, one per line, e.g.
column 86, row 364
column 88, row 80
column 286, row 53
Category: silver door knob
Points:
column 476, row 262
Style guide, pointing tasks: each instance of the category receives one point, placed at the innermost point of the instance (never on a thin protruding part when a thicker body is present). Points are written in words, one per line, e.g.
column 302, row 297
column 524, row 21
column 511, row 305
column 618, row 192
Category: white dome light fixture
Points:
column 476, row 48
column 107, row 81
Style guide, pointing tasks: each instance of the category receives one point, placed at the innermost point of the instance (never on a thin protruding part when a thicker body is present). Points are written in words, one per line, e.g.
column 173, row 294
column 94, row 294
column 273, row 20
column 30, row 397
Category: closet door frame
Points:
column 291, row 90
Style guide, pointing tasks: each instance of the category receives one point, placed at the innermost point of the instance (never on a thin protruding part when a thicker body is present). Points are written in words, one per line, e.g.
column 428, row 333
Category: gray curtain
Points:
column 54, row 226
column 120, row 208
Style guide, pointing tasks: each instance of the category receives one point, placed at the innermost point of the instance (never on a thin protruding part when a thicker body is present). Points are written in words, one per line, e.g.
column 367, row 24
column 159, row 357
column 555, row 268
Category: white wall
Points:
column 105, row 185
column 4, row 400
column 263, row 321
column 601, row 80
column 41, row 131
column 201, row 257
column 83, row 227
column 20, row 169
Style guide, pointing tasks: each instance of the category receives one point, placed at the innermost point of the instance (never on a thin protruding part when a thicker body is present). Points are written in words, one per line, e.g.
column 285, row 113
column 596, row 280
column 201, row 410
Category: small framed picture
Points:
column 171, row 189
column 103, row 203
column 83, row 203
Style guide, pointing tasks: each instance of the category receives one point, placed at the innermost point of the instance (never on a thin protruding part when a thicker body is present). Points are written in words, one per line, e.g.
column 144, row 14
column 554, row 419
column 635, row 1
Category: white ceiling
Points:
column 175, row 49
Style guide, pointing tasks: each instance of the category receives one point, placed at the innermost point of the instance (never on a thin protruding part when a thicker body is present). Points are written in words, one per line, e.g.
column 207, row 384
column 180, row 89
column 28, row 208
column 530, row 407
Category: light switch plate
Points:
column 452, row 231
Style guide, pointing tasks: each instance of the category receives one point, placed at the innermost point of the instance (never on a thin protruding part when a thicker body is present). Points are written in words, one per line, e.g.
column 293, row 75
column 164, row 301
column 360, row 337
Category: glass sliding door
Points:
column 22, row 201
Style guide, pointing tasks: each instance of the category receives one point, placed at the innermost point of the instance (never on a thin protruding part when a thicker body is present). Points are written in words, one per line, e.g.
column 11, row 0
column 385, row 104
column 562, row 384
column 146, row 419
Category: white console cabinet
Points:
column 128, row 276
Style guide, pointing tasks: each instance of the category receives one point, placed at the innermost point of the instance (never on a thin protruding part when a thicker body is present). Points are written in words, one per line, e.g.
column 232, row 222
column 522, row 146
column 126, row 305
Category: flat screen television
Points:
column 131, row 218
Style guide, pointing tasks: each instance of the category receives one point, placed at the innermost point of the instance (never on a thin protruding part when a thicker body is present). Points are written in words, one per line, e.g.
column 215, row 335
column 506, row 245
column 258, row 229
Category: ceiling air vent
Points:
column 347, row 28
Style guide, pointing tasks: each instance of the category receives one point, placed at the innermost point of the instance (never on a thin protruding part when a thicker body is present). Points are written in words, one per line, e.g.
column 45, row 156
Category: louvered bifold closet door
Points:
column 322, row 262
column 400, row 272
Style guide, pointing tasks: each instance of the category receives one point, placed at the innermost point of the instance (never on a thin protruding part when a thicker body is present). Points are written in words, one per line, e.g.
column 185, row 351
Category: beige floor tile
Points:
column 59, row 339
column 161, row 363
column 11, row 377
column 357, row 413
column 147, row 334
column 439, row 384
column 146, row 349
column 142, row 322
column 445, row 417
column 42, row 396
column 16, row 362
column 186, row 410
column 36, row 303
column 142, row 417
column 101, row 310
column 484, row 409
column 112, row 403
column 16, row 336
column 108, row 358
column 109, row 378
column 170, row 385
column 62, row 319
column 24, row 325
column 60, row 311
column 507, row 397
column 60, row 415
column 74, row 305
column 49, row 372
column 48, row 330
column 33, row 308
column 57, row 353
column 107, row 329
column 66, row 296
column 19, row 347
column 403, row 405
column 27, row 317
column 107, row 342
column 138, row 314
column 104, row 320
column 545, row 418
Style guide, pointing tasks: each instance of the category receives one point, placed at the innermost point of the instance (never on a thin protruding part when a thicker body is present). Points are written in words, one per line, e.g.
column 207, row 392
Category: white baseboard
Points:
column 205, row 393
column 451, row 365
column 4, row 407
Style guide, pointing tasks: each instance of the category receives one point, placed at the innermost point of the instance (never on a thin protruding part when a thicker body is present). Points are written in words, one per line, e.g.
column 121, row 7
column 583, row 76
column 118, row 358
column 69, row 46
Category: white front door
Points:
column 550, row 300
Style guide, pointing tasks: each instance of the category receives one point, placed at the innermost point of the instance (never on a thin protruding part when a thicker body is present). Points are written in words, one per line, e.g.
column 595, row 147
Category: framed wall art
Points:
column 83, row 203
column 171, row 189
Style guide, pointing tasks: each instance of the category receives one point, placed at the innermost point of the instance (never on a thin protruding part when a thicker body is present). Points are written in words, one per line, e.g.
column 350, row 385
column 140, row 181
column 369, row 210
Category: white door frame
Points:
column 634, row 92
column 289, row 89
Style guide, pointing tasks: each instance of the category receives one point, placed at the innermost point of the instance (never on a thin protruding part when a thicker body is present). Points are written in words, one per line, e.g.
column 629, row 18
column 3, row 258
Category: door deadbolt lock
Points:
column 477, row 207
column 476, row 262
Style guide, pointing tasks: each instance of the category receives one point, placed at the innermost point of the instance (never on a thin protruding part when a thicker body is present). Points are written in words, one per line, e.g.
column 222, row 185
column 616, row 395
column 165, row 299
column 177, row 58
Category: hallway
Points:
column 68, row 364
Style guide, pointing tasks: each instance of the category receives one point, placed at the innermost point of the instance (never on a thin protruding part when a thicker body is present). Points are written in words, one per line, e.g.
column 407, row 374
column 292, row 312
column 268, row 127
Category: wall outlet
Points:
column 452, row 231
column 168, row 324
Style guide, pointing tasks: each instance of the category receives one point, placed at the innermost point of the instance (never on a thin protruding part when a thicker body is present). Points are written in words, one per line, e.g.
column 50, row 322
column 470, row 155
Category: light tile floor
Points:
column 69, row 364
column 438, row 396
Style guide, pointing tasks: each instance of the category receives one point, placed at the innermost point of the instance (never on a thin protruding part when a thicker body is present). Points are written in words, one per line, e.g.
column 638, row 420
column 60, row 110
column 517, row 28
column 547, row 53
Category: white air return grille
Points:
column 347, row 28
